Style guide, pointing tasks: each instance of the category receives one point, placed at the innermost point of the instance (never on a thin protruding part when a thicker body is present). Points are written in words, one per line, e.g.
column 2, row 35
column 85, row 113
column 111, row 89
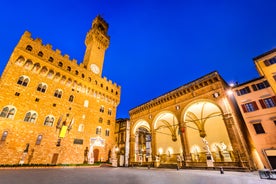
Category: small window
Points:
column 37, row 99
column 98, row 130
column 40, row 54
column 250, row 107
column 58, row 93
column 17, row 94
column 109, row 111
column 258, row 128
column 38, row 140
column 81, row 128
column 29, row 48
column 71, row 98
column 268, row 102
column 51, row 59
column 100, row 120
column 60, row 64
column 86, row 103
column 68, row 68
column 4, row 136
column 108, row 122
column 107, row 132
column 58, row 142
column 102, row 109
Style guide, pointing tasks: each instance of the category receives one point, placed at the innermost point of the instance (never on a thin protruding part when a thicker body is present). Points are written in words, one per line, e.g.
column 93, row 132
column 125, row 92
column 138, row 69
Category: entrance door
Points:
column 55, row 158
column 96, row 155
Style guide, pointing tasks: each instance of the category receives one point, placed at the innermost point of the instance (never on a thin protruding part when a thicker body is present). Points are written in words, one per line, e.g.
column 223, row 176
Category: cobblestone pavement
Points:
column 104, row 175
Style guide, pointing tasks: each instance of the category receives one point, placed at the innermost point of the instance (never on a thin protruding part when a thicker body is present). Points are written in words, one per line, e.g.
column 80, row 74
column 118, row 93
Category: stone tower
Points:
column 97, row 41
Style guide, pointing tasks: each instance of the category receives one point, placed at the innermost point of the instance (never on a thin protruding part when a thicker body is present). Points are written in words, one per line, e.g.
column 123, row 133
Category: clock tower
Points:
column 97, row 41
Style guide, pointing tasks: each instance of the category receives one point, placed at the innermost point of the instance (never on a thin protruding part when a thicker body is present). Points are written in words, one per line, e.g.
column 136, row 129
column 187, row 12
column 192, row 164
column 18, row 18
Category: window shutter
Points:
column 274, row 99
column 244, row 108
column 255, row 105
column 262, row 103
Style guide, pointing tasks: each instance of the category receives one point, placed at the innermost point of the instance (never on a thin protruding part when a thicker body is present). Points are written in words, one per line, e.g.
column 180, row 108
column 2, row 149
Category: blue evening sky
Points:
column 156, row 45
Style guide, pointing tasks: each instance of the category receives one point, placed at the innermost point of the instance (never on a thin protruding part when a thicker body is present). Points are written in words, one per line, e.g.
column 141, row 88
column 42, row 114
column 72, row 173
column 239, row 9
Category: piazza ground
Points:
column 126, row 175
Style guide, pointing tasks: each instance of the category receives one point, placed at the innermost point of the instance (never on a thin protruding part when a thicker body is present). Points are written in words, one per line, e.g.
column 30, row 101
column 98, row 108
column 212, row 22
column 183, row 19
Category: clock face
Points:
column 94, row 68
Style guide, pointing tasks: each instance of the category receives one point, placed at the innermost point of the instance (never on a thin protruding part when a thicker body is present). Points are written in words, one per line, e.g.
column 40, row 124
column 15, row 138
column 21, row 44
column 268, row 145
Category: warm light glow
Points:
column 160, row 151
column 170, row 151
column 229, row 92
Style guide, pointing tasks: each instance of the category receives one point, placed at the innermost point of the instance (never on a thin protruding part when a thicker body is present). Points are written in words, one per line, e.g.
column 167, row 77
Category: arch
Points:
column 20, row 60
column 40, row 54
column 205, row 131
column 30, row 116
column 140, row 123
column 43, row 71
column 23, row 80
column 28, row 65
column 29, row 48
column 50, row 74
column 168, row 143
column 8, row 112
column 57, row 76
column 42, row 87
column 49, row 120
column 36, row 67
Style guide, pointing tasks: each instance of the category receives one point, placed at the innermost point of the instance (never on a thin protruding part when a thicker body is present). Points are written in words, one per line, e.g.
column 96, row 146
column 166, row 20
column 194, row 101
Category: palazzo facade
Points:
column 197, row 123
column 54, row 110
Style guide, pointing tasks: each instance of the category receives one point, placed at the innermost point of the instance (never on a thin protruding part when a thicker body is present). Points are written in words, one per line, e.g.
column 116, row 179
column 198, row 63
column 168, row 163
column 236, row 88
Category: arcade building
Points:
column 197, row 124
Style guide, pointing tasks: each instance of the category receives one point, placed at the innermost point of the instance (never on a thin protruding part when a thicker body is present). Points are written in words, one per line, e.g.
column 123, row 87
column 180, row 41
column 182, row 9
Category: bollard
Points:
column 221, row 170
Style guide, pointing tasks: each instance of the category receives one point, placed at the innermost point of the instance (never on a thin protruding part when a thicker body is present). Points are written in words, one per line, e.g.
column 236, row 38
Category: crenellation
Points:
column 38, row 40
column 48, row 46
column 66, row 56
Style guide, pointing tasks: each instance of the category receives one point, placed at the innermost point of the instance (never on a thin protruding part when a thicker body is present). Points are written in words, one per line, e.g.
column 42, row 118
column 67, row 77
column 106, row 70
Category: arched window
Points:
column 23, row 80
column 8, row 112
column 77, row 72
column 40, row 54
column 51, row 59
column 49, row 120
column 50, row 74
column 107, row 131
column 20, row 60
column 71, row 98
column 98, row 130
column 38, row 140
column 42, row 87
column 29, row 48
column 28, row 65
column 81, row 128
column 58, row 93
column 60, row 64
column 69, row 68
column 30, row 116
column 4, row 136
